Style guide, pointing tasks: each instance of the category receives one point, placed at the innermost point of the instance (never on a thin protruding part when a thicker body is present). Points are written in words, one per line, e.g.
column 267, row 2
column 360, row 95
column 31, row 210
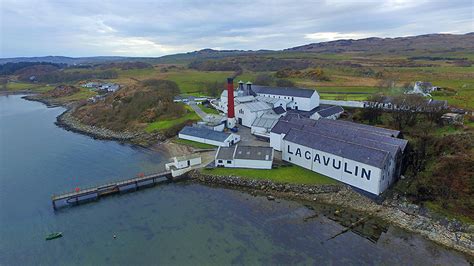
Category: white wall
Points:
column 297, row 154
column 348, row 171
column 276, row 141
column 247, row 116
column 343, row 103
column 304, row 104
column 255, row 164
column 206, row 141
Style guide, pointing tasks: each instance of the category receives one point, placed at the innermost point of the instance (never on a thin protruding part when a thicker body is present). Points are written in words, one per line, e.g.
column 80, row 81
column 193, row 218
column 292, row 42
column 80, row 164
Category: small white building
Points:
column 423, row 88
column 245, row 157
column 208, row 136
column 328, row 112
column 181, row 164
column 184, row 161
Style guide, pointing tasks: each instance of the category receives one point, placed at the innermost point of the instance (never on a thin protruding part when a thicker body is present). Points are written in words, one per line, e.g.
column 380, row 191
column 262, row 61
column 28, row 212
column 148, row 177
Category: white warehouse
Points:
column 366, row 157
column 245, row 157
column 208, row 136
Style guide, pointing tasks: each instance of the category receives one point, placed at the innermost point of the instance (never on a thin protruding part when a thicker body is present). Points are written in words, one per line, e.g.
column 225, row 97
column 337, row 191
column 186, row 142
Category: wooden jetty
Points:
column 94, row 193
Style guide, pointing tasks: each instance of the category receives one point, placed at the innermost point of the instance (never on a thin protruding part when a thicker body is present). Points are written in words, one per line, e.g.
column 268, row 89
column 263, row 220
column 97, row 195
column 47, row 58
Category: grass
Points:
column 165, row 124
column 194, row 144
column 288, row 174
column 192, row 81
column 344, row 97
column 80, row 95
column 435, row 207
column 208, row 110
column 19, row 86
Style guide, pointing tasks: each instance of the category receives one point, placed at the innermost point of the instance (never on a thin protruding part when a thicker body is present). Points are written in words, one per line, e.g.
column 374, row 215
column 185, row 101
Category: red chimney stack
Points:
column 230, row 98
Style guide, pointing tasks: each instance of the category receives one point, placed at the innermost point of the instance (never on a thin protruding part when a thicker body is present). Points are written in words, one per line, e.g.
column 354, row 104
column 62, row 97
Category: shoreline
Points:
column 394, row 212
column 340, row 195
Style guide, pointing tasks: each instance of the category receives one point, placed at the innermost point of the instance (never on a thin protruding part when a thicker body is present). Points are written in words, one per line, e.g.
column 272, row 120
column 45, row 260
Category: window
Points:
column 219, row 161
column 289, row 159
column 229, row 162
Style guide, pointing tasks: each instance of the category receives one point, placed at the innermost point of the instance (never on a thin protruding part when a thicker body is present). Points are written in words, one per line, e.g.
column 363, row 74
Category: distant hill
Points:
column 69, row 60
column 422, row 43
column 429, row 42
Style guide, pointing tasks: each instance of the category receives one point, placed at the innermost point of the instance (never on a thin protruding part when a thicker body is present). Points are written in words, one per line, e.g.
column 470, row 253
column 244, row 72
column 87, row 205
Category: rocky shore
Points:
column 67, row 121
column 452, row 234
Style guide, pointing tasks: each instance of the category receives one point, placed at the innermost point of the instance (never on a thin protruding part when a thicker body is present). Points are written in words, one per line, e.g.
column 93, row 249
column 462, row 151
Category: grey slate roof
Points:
column 359, row 153
column 265, row 122
column 279, row 110
column 204, row 133
column 284, row 91
column 373, row 129
column 225, row 153
column 339, row 128
column 354, row 137
column 245, row 153
column 253, row 153
column 331, row 110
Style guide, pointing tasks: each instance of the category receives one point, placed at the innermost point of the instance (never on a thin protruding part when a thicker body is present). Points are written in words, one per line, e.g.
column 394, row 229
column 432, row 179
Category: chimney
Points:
column 241, row 85
column 230, row 98
column 249, row 88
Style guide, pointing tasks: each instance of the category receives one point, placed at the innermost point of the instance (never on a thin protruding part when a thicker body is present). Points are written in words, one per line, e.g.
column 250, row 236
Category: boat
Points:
column 54, row 235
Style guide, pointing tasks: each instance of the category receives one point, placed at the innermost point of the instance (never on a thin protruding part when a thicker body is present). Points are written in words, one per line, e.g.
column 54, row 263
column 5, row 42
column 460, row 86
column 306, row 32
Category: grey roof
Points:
column 340, row 127
column 284, row 91
column 204, row 133
column 265, row 122
column 352, row 151
column 290, row 121
column 253, row 153
column 279, row 110
column 331, row 110
column 354, row 137
column 225, row 153
column 245, row 153
column 256, row 106
column 373, row 129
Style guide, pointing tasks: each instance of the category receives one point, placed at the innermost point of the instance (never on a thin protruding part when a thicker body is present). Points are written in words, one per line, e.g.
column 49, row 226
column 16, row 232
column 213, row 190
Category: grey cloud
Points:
column 155, row 28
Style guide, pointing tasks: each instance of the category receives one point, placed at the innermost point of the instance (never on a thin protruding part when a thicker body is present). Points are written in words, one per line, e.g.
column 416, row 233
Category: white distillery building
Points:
column 209, row 136
column 366, row 157
column 245, row 157
column 246, row 113
column 296, row 98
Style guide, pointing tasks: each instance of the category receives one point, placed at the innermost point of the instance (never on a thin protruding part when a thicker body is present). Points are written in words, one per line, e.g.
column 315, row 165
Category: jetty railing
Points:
column 83, row 195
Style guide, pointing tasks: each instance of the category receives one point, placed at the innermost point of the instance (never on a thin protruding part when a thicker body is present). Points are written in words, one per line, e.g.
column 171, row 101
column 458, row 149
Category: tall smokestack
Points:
column 230, row 98
column 230, row 103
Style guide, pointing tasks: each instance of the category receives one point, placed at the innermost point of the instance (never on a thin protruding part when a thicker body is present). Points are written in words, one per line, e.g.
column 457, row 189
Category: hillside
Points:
column 429, row 42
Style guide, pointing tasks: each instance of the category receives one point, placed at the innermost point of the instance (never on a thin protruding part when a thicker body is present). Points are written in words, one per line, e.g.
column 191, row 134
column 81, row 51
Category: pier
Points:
column 95, row 193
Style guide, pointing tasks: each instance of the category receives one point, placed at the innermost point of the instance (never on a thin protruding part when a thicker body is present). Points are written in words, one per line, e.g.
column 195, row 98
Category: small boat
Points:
column 54, row 235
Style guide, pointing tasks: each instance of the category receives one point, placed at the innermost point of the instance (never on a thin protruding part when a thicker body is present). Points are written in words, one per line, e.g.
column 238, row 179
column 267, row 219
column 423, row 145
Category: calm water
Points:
column 170, row 224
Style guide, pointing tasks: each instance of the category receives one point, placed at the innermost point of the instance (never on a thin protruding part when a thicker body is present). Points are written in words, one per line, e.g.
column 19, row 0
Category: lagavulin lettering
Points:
column 336, row 164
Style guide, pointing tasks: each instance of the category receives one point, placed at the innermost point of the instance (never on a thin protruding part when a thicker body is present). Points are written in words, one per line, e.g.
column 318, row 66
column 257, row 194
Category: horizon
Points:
column 88, row 29
column 202, row 49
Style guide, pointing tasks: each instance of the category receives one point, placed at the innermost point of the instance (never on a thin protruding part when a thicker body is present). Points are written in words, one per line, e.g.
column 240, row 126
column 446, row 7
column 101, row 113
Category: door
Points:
column 240, row 121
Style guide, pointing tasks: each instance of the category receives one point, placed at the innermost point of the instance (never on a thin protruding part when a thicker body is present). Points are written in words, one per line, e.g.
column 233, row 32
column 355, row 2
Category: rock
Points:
column 270, row 197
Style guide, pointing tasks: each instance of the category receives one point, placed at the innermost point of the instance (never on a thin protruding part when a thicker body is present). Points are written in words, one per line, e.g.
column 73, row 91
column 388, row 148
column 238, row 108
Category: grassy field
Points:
column 194, row 144
column 288, row 174
column 208, row 110
column 81, row 95
column 165, row 124
column 19, row 86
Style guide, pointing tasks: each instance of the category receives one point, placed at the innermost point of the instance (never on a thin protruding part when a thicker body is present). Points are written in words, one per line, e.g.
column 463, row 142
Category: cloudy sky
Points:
column 160, row 27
